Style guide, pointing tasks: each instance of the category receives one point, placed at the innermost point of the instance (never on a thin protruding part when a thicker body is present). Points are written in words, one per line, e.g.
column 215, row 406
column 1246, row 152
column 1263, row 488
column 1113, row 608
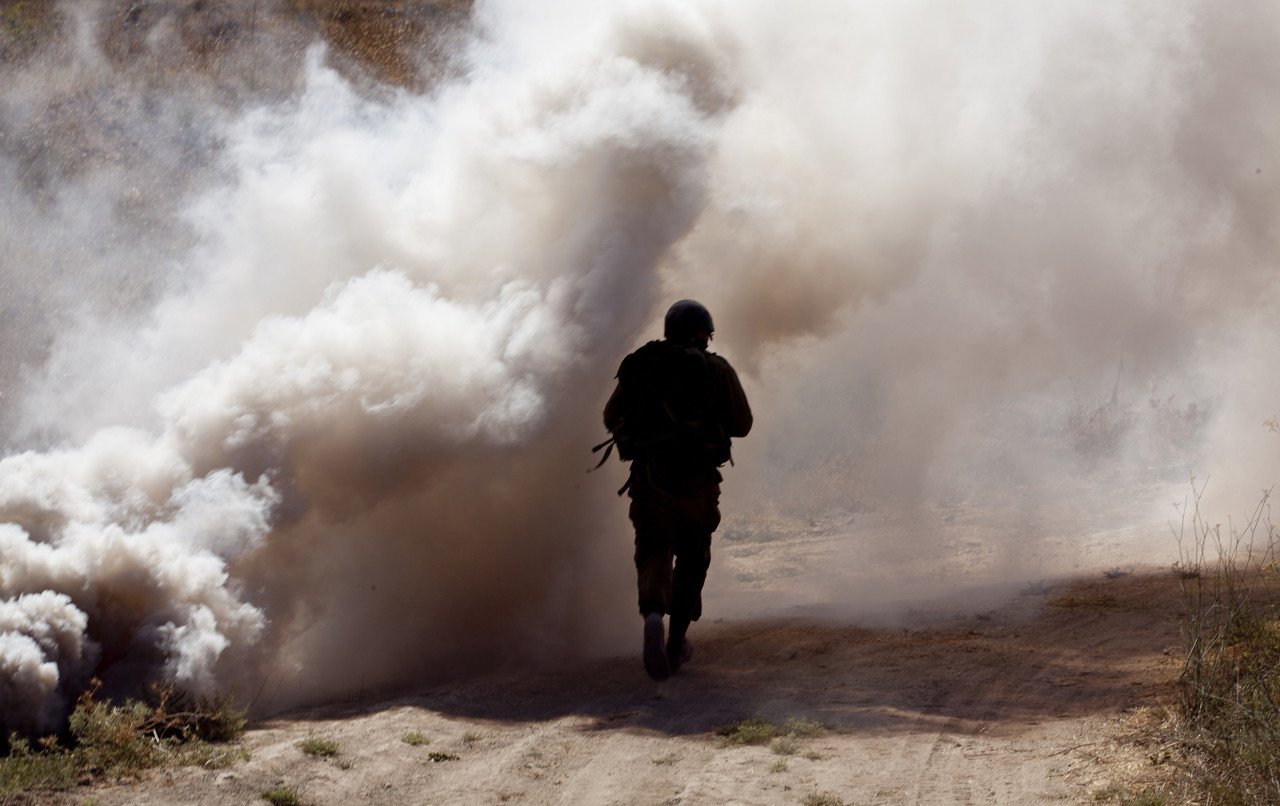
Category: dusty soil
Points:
column 1045, row 700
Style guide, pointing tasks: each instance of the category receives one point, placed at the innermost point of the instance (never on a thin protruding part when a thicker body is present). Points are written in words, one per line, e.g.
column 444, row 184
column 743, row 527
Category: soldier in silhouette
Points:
column 674, row 411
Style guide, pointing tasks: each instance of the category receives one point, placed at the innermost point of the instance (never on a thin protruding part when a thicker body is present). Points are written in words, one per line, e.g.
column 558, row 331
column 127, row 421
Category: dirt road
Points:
column 1035, row 703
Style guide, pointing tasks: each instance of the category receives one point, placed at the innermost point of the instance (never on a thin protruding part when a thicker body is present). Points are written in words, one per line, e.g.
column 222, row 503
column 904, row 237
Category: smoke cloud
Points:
column 334, row 435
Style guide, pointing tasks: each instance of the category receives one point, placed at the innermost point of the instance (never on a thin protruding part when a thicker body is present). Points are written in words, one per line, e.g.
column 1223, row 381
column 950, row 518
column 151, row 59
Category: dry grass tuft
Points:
column 415, row 738
column 318, row 746
column 282, row 796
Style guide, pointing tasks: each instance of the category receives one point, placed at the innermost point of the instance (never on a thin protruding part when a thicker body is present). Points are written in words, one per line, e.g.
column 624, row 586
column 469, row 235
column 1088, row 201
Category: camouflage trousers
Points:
column 673, row 547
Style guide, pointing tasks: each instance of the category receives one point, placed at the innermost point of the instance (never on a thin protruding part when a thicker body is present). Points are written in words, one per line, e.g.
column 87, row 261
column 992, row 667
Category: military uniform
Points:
column 675, row 481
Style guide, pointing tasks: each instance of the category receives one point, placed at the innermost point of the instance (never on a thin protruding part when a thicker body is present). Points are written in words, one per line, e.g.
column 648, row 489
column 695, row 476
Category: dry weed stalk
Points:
column 1230, row 683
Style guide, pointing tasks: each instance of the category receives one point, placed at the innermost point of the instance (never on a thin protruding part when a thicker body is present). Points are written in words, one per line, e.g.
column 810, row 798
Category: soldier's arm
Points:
column 734, row 407
column 613, row 409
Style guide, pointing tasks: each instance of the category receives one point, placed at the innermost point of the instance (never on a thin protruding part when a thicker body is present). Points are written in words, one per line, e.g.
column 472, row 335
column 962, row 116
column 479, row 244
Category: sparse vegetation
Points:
column 471, row 737
column 778, row 766
column 822, row 799
column 114, row 742
column 415, row 738
column 282, row 796
column 667, row 760
column 318, row 746
column 437, row 756
column 784, row 739
column 748, row 731
column 1229, row 693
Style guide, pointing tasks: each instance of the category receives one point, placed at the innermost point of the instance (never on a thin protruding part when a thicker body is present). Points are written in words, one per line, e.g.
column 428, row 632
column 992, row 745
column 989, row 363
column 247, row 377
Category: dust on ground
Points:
column 1044, row 700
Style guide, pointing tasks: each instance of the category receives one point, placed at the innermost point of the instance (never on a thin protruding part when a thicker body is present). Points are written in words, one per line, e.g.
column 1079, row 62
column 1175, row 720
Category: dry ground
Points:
column 1045, row 700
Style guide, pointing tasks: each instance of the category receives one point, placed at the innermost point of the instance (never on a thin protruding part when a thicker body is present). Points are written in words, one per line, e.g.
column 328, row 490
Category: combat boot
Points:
column 655, row 652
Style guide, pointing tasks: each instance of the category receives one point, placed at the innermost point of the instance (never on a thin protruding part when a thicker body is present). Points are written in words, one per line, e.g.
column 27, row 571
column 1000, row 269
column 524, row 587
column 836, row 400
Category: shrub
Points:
column 111, row 742
column 1229, row 690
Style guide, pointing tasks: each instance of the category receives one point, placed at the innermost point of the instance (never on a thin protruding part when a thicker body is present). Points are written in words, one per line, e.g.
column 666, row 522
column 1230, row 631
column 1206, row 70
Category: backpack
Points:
column 667, row 409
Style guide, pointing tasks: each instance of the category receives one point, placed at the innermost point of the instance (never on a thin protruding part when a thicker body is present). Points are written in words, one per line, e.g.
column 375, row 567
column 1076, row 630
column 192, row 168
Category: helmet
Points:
column 685, row 320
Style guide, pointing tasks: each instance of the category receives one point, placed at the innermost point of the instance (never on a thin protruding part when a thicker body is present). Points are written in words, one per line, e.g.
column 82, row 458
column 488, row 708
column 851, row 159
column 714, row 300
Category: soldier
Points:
column 674, row 411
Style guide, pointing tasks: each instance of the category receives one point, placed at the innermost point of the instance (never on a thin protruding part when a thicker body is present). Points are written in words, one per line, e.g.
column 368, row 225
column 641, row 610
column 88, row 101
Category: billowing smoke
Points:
column 336, row 438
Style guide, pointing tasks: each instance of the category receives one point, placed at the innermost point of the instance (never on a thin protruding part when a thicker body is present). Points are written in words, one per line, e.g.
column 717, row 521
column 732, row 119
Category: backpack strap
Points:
column 608, row 446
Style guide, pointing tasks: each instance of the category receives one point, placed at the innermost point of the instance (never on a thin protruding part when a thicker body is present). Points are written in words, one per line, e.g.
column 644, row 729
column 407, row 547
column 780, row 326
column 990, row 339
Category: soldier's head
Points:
column 688, row 322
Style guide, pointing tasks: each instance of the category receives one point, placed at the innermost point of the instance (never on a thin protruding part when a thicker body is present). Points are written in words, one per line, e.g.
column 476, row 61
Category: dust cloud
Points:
column 315, row 418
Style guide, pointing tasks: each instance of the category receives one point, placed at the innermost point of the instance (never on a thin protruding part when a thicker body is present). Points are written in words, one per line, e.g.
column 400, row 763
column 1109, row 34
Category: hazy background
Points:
column 307, row 325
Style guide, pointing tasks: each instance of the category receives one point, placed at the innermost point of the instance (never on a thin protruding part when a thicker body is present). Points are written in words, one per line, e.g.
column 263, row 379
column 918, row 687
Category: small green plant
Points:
column 436, row 756
column 822, row 799
column 785, row 745
column 282, row 796
column 415, row 738
column 318, row 746
column 471, row 737
column 778, row 766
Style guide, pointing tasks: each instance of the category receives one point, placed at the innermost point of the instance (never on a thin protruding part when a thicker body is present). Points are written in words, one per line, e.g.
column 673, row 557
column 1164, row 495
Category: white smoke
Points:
column 44, row 657
column 390, row 309
column 344, row 446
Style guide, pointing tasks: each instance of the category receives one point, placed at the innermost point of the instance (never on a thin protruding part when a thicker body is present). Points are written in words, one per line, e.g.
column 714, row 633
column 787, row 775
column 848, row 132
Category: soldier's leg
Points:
column 653, row 582
column 653, row 558
column 693, row 558
column 653, row 574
